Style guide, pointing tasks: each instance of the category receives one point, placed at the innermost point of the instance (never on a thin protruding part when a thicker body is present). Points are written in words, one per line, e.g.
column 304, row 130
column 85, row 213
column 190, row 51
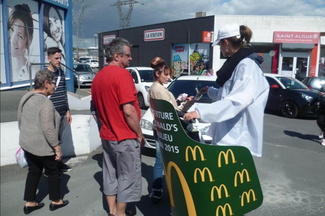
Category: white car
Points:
column 93, row 63
column 143, row 79
column 183, row 84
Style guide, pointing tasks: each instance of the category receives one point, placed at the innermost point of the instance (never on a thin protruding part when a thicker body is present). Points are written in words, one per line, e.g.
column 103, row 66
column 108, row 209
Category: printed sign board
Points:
column 154, row 34
column 296, row 37
column 108, row 38
column 207, row 37
column 204, row 179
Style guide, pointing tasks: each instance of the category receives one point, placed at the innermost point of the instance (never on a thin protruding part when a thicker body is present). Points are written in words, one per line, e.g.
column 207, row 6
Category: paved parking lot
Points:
column 291, row 173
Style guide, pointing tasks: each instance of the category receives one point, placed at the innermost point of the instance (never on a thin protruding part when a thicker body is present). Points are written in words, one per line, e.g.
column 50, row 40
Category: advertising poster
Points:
column 2, row 56
column 53, row 30
column 23, row 33
column 179, row 59
column 204, row 179
column 199, row 58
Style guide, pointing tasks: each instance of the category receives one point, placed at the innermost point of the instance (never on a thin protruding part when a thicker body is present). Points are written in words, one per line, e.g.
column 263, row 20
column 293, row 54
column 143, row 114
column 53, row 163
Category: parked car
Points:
column 93, row 63
column 291, row 97
column 84, row 60
column 84, row 74
column 314, row 82
column 143, row 79
column 182, row 84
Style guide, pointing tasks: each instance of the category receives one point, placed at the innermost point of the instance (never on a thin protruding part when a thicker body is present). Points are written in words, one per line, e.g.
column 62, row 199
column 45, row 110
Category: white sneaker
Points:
column 323, row 142
column 321, row 135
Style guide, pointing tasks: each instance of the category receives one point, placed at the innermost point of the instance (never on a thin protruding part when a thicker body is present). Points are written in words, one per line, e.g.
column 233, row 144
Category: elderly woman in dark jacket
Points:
column 38, row 123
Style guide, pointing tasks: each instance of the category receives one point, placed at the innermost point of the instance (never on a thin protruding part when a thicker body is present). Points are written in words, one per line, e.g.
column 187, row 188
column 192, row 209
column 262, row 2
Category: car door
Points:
column 275, row 94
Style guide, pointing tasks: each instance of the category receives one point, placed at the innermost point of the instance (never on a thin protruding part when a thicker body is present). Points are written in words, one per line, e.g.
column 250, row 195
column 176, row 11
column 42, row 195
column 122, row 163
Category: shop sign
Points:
column 207, row 37
column 108, row 38
column 296, row 37
column 154, row 34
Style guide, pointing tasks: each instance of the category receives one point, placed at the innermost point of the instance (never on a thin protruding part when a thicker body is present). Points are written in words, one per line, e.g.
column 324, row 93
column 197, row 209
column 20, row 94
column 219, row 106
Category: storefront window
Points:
column 287, row 63
column 301, row 68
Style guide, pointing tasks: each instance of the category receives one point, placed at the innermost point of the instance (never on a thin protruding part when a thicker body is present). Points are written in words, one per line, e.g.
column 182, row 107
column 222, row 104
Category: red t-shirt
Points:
column 111, row 88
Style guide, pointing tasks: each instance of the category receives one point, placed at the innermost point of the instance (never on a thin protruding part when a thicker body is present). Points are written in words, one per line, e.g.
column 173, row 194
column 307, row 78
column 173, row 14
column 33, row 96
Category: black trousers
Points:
column 321, row 119
column 35, row 169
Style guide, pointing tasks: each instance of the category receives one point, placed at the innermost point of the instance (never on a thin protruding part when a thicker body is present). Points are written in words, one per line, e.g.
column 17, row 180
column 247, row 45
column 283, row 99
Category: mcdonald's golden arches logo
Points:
column 219, row 191
column 223, row 210
column 226, row 157
column 202, row 174
column 193, row 151
column 240, row 174
column 185, row 187
column 248, row 196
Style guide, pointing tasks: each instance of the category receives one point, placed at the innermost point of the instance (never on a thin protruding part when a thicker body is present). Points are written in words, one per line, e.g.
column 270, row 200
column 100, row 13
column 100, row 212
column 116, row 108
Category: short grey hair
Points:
column 42, row 76
column 117, row 45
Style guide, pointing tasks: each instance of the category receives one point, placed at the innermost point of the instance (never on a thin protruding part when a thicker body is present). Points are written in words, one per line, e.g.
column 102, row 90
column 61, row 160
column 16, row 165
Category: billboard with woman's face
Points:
column 53, row 27
column 23, row 39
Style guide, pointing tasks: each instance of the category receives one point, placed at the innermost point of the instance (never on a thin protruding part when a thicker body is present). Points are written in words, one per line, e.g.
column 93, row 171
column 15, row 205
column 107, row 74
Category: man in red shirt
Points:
column 115, row 98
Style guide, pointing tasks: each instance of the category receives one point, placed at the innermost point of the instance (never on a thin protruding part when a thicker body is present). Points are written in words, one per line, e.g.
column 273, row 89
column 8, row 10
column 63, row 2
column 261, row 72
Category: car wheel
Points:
column 289, row 109
column 141, row 101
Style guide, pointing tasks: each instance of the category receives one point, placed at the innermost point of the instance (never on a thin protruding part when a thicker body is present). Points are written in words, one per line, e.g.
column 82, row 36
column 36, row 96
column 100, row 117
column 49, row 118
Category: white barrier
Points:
column 81, row 137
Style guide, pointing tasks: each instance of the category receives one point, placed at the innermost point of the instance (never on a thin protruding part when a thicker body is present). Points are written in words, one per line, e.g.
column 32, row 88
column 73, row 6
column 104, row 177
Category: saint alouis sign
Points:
column 204, row 179
column 296, row 37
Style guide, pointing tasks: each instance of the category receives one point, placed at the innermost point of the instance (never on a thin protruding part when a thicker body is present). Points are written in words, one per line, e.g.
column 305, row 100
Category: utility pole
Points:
column 125, row 18
column 79, row 7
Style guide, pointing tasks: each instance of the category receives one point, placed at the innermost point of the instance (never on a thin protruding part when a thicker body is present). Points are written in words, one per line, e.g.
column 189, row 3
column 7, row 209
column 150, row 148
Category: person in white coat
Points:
column 237, row 114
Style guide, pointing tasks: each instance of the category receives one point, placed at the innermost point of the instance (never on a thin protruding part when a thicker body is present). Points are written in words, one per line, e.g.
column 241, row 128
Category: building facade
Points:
column 293, row 46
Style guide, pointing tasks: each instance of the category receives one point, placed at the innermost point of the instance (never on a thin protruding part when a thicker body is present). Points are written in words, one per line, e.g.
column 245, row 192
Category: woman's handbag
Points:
column 20, row 158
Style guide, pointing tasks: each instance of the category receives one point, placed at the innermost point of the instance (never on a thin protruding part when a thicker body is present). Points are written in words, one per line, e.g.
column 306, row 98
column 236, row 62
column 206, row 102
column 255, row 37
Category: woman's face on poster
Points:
column 18, row 39
column 56, row 27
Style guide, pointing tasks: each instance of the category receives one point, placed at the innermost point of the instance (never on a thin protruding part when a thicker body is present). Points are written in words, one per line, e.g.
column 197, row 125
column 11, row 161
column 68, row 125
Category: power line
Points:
column 77, row 16
column 125, row 17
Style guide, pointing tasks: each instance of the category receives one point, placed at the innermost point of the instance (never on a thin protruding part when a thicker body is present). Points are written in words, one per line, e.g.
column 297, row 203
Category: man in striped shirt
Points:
column 59, row 97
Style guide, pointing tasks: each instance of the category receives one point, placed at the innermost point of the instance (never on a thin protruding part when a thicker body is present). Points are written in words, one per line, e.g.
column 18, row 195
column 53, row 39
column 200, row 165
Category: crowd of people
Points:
column 236, row 117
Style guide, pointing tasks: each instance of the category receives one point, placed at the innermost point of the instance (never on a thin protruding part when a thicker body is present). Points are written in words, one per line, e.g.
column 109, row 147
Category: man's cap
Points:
column 227, row 31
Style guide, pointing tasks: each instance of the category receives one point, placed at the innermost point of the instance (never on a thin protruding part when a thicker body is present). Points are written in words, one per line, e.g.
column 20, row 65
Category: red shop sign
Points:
column 296, row 37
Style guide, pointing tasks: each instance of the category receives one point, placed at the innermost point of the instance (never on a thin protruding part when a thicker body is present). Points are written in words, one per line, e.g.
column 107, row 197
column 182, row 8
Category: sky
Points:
column 102, row 16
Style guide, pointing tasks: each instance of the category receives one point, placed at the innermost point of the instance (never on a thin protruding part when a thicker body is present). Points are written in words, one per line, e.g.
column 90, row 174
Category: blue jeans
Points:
column 158, row 170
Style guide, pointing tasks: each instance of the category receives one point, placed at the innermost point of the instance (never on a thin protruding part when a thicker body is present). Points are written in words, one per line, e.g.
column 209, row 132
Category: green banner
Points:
column 203, row 179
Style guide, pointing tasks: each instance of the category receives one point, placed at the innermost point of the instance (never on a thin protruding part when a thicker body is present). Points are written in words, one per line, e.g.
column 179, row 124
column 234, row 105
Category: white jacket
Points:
column 237, row 115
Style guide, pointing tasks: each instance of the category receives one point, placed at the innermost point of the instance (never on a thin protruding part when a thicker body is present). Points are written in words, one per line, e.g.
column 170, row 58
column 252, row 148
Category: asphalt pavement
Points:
column 291, row 172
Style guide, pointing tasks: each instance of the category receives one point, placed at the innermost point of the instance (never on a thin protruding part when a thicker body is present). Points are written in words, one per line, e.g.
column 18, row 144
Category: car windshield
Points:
column 191, row 87
column 291, row 83
column 82, row 68
column 146, row 75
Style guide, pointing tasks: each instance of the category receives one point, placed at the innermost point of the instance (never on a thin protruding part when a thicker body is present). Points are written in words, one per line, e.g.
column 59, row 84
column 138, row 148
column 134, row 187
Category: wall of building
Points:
column 263, row 28
column 177, row 32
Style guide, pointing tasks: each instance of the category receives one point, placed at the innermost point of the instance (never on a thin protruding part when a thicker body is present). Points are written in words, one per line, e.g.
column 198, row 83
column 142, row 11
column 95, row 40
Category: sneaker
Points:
column 321, row 135
column 323, row 142
column 65, row 168
column 156, row 195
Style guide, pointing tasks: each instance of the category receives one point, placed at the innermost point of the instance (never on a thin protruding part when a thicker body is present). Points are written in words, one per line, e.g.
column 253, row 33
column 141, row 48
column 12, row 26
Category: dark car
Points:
column 84, row 74
column 314, row 82
column 291, row 97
